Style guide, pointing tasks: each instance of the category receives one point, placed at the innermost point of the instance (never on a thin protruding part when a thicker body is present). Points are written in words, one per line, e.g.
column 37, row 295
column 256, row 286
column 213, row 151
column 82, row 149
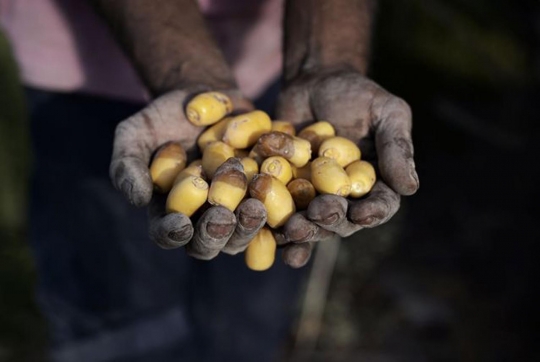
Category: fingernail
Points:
column 218, row 231
column 368, row 221
column 181, row 234
column 301, row 235
column 328, row 220
column 249, row 222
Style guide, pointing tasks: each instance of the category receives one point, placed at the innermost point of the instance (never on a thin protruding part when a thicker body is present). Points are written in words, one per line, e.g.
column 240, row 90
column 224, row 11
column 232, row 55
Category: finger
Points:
column 377, row 208
column 251, row 217
column 298, row 229
column 393, row 123
column 212, row 232
column 330, row 213
column 132, row 149
column 169, row 231
column 139, row 136
column 130, row 175
column 293, row 106
column 297, row 255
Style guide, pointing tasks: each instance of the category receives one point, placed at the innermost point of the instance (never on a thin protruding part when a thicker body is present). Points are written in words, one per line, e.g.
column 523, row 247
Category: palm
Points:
column 139, row 136
column 378, row 122
column 136, row 139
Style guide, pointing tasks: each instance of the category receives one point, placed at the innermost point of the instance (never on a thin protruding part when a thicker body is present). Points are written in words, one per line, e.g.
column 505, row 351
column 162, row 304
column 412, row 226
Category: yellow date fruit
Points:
column 213, row 133
column 303, row 172
column 341, row 149
column 328, row 177
column 166, row 165
column 296, row 150
column 278, row 167
column 187, row 196
column 214, row 155
column 362, row 176
column 194, row 169
column 254, row 154
column 316, row 133
column 302, row 192
column 276, row 198
column 284, row 127
column 229, row 185
column 261, row 251
column 251, row 168
column 208, row 108
column 244, row 130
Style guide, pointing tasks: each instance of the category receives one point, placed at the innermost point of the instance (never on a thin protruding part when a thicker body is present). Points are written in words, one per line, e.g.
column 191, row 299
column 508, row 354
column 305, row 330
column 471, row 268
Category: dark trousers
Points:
column 108, row 293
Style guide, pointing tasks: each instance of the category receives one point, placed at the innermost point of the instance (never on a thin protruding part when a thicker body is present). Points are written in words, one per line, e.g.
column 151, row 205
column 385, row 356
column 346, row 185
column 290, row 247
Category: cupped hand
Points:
column 380, row 123
column 138, row 138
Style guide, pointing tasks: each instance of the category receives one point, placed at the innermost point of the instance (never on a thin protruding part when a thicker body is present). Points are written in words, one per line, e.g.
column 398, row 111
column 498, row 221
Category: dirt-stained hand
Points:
column 136, row 140
column 380, row 123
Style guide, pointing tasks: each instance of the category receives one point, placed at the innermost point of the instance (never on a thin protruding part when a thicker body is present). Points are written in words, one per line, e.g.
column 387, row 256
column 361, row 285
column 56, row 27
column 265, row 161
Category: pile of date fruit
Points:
column 249, row 155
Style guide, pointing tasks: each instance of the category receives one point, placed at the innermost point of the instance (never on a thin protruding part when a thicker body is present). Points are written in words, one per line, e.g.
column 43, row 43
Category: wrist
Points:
column 310, row 74
column 168, row 42
column 325, row 35
column 326, row 60
column 190, row 75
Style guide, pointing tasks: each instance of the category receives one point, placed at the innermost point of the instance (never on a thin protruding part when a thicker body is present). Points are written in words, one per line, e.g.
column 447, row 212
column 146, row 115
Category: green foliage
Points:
column 21, row 328
column 13, row 143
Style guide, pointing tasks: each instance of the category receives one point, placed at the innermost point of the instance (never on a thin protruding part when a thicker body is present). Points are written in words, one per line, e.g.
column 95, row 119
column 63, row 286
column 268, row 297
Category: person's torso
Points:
column 63, row 45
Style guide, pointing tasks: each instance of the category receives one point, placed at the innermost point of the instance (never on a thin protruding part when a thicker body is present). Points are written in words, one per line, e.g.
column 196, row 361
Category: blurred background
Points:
column 450, row 278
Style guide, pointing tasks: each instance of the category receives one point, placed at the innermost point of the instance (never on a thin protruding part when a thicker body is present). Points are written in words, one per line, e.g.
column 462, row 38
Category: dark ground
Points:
column 451, row 277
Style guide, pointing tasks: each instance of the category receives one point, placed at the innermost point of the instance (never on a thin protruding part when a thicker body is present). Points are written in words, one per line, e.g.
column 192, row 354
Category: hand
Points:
column 137, row 138
column 380, row 123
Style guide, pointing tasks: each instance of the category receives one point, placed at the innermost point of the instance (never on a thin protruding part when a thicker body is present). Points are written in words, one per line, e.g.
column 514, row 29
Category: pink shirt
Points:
column 62, row 45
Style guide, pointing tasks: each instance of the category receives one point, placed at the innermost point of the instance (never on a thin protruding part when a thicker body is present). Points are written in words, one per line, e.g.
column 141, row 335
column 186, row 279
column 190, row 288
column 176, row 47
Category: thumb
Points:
column 132, row 149
column 137, row 137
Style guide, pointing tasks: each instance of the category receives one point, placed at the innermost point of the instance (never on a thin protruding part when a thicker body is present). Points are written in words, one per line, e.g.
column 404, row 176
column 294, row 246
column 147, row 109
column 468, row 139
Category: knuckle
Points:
column 398, row 105
column 389, row 108
column 122, row 128
column 394, row 207
column 389, row 198
column 388, row 213
column 401, row 104
column 117, row 171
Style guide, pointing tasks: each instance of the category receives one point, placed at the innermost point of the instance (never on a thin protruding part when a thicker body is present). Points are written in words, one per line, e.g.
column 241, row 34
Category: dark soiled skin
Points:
column 177, row 58
column 326, row 56
column 297, row 255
